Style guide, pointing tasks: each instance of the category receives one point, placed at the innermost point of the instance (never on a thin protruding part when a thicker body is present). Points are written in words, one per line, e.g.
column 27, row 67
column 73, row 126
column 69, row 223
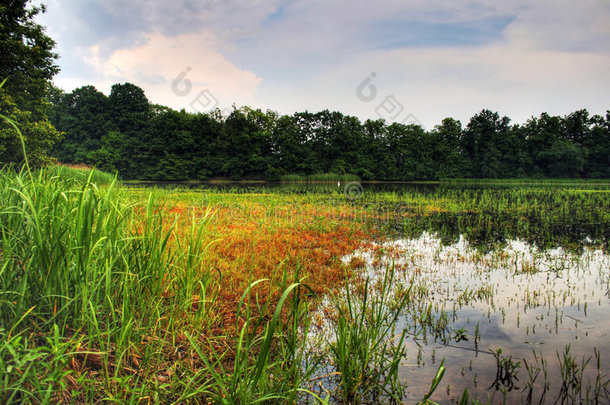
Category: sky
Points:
column 410, row 61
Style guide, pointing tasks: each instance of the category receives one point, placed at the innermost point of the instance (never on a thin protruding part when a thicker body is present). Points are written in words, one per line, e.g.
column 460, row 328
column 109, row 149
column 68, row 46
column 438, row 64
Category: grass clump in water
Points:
column 364, row 349
column 267, row 356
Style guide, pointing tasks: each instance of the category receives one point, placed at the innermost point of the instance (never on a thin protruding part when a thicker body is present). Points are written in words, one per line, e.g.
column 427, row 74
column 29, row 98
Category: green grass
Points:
column 548, row 216
column 84, row 281
column 81, row 174
column 365, row 349
column 268, row 356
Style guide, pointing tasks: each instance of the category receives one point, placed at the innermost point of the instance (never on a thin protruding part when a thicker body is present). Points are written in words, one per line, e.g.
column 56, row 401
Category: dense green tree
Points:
column 131, row 112
column 558, row 146
column 540, row 134
column 374, row 159
column 246, row 144
column 125, row 132
column 131, row 109
column 108, row 156
column 447, row 153
column 38, row 135
column 598, row 147
column 308, row 127
column 518, row 162
column 289, row 149
column 169, row 149
column 485, row 144
column 411, row 146
column 563, row 159
column 206, row 130
column 576, row 127
column 27, row 62
column 85, row 116
column 316, row 127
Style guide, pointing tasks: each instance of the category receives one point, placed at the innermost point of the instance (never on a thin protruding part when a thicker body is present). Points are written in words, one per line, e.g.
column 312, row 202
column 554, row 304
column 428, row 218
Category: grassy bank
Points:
column 81, row 174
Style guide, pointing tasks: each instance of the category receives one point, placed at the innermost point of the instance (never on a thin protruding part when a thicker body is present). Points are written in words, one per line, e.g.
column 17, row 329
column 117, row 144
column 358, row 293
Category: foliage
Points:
column 38, row 136
column 27, row 55
column 28, row 65
column 85, row 116
column 258, row 375
column 124, row 132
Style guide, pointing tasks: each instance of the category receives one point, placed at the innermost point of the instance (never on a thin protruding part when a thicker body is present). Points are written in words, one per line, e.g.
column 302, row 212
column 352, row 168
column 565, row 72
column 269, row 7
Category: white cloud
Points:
column 435, row 83
column 554, row 55
column 155, row 66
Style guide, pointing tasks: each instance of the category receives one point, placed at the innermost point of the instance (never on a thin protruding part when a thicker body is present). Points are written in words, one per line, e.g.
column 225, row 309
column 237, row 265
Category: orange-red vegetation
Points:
column 246, row 241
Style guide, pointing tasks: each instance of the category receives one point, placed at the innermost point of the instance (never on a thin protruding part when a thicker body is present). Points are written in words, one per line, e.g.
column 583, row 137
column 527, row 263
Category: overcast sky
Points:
column 402, row 60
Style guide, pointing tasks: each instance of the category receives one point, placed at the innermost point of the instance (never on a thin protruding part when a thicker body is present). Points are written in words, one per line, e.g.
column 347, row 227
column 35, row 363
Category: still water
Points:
column 532, row 304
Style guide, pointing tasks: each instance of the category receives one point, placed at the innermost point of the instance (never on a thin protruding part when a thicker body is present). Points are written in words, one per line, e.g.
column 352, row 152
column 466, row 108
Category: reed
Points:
column 266, row 354
column 365, row 350
column 78, row 266
column 81, row 174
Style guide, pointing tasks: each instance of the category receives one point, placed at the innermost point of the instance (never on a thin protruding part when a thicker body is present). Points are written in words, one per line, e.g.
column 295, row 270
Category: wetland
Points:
column 304, row 293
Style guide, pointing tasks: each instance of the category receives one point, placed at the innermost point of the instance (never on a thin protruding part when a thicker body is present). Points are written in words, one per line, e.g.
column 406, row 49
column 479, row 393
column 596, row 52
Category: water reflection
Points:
column 546, row 215
column 518, row 298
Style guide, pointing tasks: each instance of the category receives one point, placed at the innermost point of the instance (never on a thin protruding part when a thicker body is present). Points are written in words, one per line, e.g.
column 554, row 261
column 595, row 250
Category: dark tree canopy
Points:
column 27, row 62
column 124, row 132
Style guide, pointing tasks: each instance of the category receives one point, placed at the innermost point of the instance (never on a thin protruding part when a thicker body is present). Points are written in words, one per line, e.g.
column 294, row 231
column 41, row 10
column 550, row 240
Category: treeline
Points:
column 124, row 132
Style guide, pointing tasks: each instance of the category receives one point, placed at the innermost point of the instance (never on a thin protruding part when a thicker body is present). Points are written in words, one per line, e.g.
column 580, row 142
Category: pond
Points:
column 533, row 305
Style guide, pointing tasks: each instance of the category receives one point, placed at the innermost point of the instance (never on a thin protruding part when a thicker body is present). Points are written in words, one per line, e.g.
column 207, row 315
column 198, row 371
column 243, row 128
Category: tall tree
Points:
column 374, row 157
column 245, row 143
column 84, row 116
column 447, row 152
column 170, row 147
column 131, row 112
column 206, row 130
column 27, row 61
column 412, row 148
column 598, row 147
column 485, row 144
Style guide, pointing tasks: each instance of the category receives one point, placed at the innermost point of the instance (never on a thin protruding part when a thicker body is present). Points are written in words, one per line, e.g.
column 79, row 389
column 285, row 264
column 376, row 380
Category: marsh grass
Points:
column 81, row 174
column 575, row 388
column 547, row 217
column 365, row 350
column 84, row 283
column 106, row 299
column 266, row 355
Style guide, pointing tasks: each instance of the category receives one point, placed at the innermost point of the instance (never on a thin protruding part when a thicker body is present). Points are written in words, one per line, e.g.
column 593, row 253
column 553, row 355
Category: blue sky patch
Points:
column 419, row 34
